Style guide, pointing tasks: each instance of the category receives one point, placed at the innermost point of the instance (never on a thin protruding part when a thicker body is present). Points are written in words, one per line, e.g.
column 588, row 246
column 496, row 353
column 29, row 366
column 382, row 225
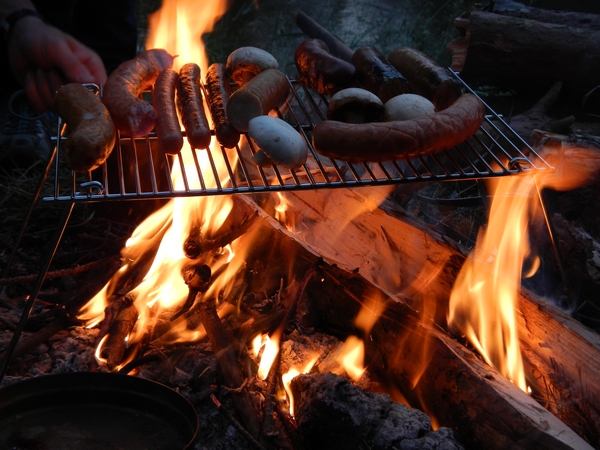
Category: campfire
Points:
column 323, row 318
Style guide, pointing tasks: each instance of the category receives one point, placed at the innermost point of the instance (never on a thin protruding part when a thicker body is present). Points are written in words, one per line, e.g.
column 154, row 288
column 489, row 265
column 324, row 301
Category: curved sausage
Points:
column 322, row 71
column 426, row 77
column 387, row 141
column 219, row 91
column 168, row 130
column 191, row 106
column 132, row 115
column 376, row 74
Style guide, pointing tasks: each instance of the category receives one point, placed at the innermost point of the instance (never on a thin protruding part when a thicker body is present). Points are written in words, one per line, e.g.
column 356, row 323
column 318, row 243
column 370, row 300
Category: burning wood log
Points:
column 525, row 53
column 196, row 244
column 120, row 319
column 225, row 354
column 197, row 278
column 422, row 267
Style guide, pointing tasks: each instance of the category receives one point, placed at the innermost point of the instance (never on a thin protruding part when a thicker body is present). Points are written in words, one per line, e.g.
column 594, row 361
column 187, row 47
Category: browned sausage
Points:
column 426, row 77
column 322, row 71
column 219, row 90
column 92, row 133
column 386, row 141
column 377, row 75
column 191, row 106
column 168, row 130
column 132, row 115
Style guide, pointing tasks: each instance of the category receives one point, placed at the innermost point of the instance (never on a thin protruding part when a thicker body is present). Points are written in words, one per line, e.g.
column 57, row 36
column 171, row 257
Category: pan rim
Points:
column 107, row 389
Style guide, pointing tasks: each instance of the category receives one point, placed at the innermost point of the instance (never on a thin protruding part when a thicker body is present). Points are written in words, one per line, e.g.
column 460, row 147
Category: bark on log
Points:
column 524, row 53
column 567, row 18
column 456, row 386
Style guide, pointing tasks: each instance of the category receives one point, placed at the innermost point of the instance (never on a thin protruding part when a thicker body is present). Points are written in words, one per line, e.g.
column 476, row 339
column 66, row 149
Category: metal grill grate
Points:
column 138, row 170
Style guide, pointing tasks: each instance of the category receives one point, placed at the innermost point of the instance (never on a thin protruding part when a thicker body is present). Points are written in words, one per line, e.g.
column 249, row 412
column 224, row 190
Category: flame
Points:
column 352, row 353
column 287, row 378
column 270, row 351
column 177, row 27
column 484, row 298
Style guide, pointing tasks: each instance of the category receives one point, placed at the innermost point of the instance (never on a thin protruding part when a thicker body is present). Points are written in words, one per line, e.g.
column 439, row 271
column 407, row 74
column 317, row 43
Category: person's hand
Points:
column 43, row 58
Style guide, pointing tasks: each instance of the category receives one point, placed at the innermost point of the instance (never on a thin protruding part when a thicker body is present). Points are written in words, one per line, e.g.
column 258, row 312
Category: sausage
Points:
column 92, row 133
column 266, row 91
column 375, row 73
column 168, row 130
column 426, row 77
column 132, row 115
column 386, row 141
column 191, row 106
column 322, row 71
column 219, row 90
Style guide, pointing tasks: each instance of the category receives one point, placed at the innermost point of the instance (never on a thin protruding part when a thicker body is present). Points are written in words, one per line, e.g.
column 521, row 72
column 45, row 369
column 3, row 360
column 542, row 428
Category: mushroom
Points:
column 278, row 141
column 355, row 105
column 406, row 107
column 245, row 62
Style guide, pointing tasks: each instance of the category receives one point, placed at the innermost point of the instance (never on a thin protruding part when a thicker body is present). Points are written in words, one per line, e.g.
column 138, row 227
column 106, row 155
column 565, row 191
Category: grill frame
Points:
column 137, row 170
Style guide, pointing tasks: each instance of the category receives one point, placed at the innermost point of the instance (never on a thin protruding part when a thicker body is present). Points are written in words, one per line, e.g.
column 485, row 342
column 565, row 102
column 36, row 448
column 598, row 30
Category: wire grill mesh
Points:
column 137, row 169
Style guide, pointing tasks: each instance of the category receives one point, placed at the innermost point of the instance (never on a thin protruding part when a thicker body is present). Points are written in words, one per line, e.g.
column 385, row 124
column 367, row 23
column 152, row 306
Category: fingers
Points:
column 41, row 86
column 77, row 62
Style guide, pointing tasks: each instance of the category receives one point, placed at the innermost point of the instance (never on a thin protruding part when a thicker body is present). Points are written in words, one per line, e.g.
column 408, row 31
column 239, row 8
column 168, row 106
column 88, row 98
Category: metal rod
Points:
column 36, row 289
column 556, row 248
column 34, row 200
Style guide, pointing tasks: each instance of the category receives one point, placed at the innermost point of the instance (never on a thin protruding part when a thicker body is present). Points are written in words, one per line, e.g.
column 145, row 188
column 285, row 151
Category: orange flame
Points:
column 484, row 298
column 177, row 27
column 352, row 353
column 290, row 375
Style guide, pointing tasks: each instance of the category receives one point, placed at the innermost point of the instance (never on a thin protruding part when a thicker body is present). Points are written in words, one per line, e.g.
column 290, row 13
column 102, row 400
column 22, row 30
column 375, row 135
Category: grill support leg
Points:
column 36, row 289
column 34, row 200
column 555, row 247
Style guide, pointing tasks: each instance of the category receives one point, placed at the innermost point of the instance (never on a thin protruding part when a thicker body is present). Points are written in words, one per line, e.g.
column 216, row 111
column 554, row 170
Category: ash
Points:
column 193, row 371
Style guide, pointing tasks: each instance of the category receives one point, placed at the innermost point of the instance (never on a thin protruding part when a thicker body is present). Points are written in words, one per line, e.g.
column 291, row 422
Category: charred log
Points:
column 120, row 318
column 225, row 355
column 333, row 413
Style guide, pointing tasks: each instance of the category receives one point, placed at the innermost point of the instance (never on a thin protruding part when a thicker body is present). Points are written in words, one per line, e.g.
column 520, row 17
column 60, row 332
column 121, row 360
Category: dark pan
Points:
column 94, row 410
